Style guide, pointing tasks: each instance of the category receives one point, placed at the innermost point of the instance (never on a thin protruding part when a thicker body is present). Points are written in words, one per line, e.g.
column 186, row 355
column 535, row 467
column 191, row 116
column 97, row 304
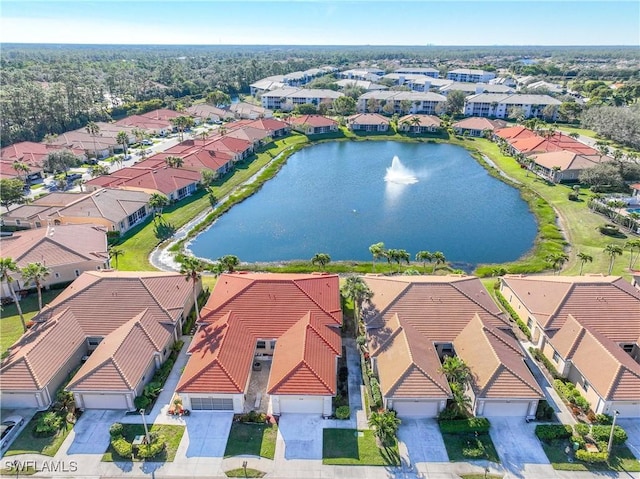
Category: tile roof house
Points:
column 31, row 154
column 291, row 320
column 476, row 126
column 589, row 328
column 117, row 326
column 112, row 208
column 209, row 113
column 153, row 126
column 313, row 124
column 419, row 123
column 103, row 144
column 368, row 122
column 249, row 111
column 67, row 251
column 413, row 322
column 563, row 165
column 286, row 99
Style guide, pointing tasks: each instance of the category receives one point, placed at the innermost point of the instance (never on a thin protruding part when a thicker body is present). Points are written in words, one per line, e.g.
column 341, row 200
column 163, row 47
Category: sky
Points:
column 310, row 22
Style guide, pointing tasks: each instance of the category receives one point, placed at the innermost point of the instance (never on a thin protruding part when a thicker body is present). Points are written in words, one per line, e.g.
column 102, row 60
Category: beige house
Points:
column 414, row 322
column 368, row 122
column 563, row 165
column 589, row 328
column 419, row 123
column 117, row 326
column 67, row 251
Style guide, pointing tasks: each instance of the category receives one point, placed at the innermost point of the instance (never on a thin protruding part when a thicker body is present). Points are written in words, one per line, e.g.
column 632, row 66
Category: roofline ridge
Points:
column 404, row 290
column 65, row 247
column 250, row 282
column 392, row 336
column 31, row 371
column 472, row 278
column 162, row 308
column 320, row 335
column 330, row 313
column 117, row 366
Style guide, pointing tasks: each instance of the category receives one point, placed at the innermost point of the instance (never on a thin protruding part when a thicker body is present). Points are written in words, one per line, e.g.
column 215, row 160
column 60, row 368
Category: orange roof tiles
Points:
column 478, row 123
column 313, row 120
column 301, row 312
column 512, row 132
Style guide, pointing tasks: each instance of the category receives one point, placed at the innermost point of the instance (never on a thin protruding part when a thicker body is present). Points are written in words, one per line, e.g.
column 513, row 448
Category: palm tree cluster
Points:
column 398, row 256
column 356, row 290
column 385, row 424
column 459, row 377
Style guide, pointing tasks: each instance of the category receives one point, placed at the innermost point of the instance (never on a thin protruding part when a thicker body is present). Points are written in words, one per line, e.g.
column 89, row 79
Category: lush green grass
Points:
column 172, row 437
column 139, row 243
column 241, row 472
column 347, row 448
column 622, row 460
column 27, row 443
column 10, row 325
column 468, row 446
column 252, row 439
column 10, row 472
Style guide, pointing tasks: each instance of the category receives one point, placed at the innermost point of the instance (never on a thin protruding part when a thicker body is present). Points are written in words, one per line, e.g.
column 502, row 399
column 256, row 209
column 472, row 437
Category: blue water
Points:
column 633, row 210
column 332, row 198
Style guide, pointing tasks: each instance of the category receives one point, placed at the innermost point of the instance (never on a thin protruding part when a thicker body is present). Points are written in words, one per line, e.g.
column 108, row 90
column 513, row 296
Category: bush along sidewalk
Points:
column 152, row 390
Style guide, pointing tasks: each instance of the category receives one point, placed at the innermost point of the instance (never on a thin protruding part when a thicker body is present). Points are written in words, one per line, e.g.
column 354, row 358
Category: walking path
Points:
column 502, row 173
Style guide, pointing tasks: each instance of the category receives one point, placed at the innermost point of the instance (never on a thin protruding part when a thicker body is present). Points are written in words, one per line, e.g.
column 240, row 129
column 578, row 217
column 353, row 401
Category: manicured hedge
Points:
column 539, row 356
column 570, row 394
column 591, row 457
column 343, row 412
column 582, row 429
column 122, row 447
column 148, row 452
column 549, row 432
column 505, row 304
column 473, row 424
column 602, row 433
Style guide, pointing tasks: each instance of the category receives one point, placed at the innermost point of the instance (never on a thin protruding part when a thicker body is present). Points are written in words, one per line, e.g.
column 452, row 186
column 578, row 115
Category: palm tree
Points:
column 157, row 202
column 455, row 370
column 182, row 123
column 632, row 245
column 557, row 260
column 574, row 135
column 230, row 262
column 93, row 129
column 115, row 253
column 424, row 256
column 98, row 170
column 191, row 267
column 204, row 134
column 20, row 167
column 438, row 258
column 174, row 161
column 36, row 273
column 612, row 250
column 8, row 266
column 385, row 424
column 322, row 259
column 123, row 139
column 377, row 251
column 355, row 289
column 402, row 255
column 584, row 258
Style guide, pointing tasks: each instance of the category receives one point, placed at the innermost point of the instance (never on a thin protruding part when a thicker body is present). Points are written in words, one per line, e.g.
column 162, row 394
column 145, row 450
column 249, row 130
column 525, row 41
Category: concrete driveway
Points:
column 206, row 434
column 300, row 436
column 423, row 440
column 91, row 432
column 632, row 426
column 517, row 445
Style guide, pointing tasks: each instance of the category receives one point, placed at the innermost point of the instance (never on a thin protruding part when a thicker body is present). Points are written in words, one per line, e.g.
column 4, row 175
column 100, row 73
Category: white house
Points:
column 497, row 105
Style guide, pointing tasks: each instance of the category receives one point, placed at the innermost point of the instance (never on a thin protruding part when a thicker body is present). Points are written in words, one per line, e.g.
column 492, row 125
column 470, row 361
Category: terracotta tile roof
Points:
column 225, row 143
column 408, row 314
column 248, row 133
column 36, row 358
column 312, row 120
column 145, row 122
column 478, row 123
column 425, row 120
column 57, row 245
column 513, row 132
column 533, row 144
column 31, row 153
column 164, row 180
column 496, row 362
column 163, row 114
column 270, row 125
column 566, row 160
column 368, row 119
column 301, row 312
column 122, row 358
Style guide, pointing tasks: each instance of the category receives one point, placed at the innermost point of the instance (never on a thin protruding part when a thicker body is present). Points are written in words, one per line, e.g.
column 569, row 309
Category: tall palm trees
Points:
column 612, row 250
column 192, row 268
column 584, row 258
column 229, row 262
column 157, row 202
column 377, row 251
column 21, row 168
column 36, row 273
column 424, row 256
column 438, row 258
column 123, row 139
column 355, row 289
column 8, row 266
column 174, row 161
column 182, row 123
column 458, row 375
column 557, row 260
column 385, row 424
column 115, row 253
column 93, row 129
column 322, row 259
column 633, row 245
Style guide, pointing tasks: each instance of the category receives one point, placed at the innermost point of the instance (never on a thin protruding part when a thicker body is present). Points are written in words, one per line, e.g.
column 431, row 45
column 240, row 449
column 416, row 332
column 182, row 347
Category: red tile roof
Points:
column 478, row 123
column 368, row 119
column 513, row 132
column 164, row 180
column 313, row 120
column 145, row 122
column 163, row 114
column 301, row 312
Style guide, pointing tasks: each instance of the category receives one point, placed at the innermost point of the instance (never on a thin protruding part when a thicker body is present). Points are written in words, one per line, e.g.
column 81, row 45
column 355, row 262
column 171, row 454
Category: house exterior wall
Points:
column 556, row 359
column 525, row 315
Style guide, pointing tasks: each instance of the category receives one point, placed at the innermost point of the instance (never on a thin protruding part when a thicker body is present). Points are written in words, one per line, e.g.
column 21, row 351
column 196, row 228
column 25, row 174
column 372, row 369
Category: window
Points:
column 261, row 345
column 18, row 223
column 93, row 342
column 585, row 386
column 77, row 273
column 529, row 321
column 57, row 275
column 556, row 357
column 273, row 345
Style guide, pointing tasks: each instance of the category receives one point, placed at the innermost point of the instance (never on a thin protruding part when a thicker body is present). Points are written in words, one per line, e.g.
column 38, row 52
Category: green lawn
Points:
column 24, row 471
column 10, row 325
column 27, row 443
column 139, row 243
column 480, row 476
column 468, row 446
column 622, row 459
column 241, row 472
column 252, row 439
column 172, row 436
column 348, row 447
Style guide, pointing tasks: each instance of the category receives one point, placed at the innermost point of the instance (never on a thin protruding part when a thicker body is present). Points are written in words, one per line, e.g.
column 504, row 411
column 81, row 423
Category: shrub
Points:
column 472, row 452
column 151, row 450
column 573, row 196
column 177, row 346
column 549, row 432
column 122, row 447
column 343, row 412
column 604, row 419
column 48, row 424
column 472, row 424
column 116, row 430
column 505, row 304
column 579, row 440
column 141, row 402
column 544, row 411
column 591, row 457
column 540, row 357
column 375, row 391
column 449, row 414
column 582, row 429
column 602, row 433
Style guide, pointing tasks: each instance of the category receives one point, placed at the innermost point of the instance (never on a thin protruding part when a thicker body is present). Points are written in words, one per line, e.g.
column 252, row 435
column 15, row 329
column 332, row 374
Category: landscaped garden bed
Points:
column 242, row 472
column 252, row 439
column 468, row 439
column 169, row 436
column 31, row 442
column 349, row 447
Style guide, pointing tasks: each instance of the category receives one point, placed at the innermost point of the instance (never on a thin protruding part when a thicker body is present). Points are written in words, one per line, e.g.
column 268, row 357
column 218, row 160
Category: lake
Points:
column 333, row 198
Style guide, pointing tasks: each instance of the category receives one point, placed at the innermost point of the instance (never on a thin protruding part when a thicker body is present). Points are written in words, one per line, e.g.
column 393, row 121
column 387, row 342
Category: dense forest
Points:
column 49, row 89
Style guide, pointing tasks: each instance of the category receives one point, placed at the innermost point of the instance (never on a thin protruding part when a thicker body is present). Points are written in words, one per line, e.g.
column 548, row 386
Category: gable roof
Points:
column 565, row 160
column 425, row 120
column 300, row 311
column 478, row 123
column 312, row 120
column 368, row 119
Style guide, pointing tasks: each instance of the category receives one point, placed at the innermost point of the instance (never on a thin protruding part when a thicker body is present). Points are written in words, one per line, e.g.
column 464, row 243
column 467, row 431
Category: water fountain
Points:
column 399, row 174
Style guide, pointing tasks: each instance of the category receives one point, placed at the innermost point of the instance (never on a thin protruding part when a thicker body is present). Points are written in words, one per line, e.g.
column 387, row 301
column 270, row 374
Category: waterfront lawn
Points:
column 622, row 460
column 10, row 324
column 139, row 243
column 348, row 447
column 252, row 439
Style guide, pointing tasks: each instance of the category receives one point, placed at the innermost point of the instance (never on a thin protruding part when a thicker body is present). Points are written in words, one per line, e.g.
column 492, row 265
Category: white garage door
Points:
column 15, row 400
column 627, row 409
column 503, row 408
column 308, row 405
column 415, row 408
column 105, row 401
column 212, row 404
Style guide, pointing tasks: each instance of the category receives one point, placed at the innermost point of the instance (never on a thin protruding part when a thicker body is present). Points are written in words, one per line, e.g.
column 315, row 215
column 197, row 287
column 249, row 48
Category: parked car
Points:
column 147, row 142
column 74, row 177
column 8, row 429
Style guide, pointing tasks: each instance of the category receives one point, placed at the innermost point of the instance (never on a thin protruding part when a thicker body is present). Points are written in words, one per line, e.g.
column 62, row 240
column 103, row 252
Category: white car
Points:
column 8, row 429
